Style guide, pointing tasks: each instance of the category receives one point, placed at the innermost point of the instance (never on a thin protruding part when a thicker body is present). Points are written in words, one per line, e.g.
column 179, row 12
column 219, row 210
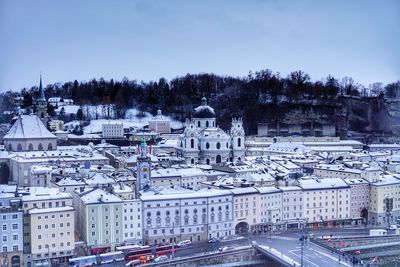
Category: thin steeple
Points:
column 41, row 91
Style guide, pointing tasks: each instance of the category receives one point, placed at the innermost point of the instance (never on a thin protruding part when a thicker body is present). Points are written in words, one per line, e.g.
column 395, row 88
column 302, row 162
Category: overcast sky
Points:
column 146, row 40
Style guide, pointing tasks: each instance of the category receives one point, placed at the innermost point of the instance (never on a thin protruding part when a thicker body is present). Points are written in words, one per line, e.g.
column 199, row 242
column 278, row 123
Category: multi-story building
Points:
column 292, row 207
column 325, row 201
column 48, row 226
column 387, row 187
column 100, row 219
column 132, row 231
column 246, row 213
column 359, row 199
column 11, row 227
column 21, row 162
column 270, row 206
column 113, row 130
column 173, row 214
column 56, row 125
column 336, row 171
column 160, row 124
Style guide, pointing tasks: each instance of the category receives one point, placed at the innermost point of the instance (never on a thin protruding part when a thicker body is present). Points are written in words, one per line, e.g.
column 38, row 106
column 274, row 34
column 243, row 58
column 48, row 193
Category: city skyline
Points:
column 67, row 41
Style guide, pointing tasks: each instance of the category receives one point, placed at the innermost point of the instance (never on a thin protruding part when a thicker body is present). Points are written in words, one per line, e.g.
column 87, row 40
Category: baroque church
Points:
column 29, row 132
column 205, row 143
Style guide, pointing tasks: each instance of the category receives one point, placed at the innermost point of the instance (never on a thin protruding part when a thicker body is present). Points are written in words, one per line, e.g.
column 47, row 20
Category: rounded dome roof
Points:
column 204, row 110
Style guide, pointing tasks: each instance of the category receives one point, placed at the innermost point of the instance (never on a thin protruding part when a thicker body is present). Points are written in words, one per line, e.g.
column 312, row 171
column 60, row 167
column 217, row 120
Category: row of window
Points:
column 53, row 225
column 53, row 245
column 14, row 238
column 13, row 216
column 30, row 147
column 49, row 205
column 14, row 248
column 14, row 226
column 53, row 235
column 186, row 203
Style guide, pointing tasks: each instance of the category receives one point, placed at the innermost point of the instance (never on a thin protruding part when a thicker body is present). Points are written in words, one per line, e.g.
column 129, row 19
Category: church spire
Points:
column 41, row 92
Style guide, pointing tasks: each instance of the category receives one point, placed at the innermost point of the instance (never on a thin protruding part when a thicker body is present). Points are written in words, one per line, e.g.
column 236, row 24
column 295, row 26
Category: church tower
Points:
column 237, row 139
column 143, row 164
column 41, row 105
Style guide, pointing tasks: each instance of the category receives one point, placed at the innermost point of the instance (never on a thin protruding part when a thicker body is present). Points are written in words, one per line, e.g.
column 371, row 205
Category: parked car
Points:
column 161, row 258
column 184, row 243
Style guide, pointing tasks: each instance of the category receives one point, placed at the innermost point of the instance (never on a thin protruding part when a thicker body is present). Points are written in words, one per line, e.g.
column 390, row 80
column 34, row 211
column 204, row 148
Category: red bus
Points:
column 165, row 249
column 136, row 253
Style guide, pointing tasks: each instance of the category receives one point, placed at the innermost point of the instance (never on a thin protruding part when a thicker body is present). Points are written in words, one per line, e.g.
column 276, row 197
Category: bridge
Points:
column 239, row 256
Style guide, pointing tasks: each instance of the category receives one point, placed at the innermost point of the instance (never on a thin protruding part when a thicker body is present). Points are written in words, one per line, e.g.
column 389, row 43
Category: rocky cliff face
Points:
column 348, row 114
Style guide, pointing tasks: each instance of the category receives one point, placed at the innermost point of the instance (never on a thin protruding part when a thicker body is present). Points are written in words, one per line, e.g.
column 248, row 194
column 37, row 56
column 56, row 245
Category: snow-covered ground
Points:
column 131, row 120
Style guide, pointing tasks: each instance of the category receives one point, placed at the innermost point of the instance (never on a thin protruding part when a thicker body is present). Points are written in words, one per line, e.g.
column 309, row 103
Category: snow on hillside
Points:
column 68, row 109
column 131, row 120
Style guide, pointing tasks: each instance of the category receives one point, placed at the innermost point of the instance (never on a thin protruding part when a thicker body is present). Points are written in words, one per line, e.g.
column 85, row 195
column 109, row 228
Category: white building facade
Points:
column 204, row 142
column 112, row 130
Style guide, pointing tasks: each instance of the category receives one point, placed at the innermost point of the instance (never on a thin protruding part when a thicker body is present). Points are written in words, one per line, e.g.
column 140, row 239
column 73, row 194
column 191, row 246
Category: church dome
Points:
column 204, row 110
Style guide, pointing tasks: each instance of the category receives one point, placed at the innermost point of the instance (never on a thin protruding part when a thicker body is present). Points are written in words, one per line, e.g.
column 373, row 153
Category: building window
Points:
column 192, row 143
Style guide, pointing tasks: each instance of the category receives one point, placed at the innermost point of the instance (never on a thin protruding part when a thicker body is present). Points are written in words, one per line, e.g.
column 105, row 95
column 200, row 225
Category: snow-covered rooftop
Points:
column 98, row 196
column 28, row 127
column 325, row 183
column 48, row 210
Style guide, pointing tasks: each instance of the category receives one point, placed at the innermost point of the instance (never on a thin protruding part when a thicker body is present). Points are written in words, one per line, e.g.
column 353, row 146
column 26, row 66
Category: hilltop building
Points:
column 160, row 124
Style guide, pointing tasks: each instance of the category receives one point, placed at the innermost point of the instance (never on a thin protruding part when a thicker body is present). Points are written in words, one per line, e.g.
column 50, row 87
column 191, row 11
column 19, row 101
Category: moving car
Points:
column 161, row 258
column 133, row 263
column 184, row 243
column 221, row 249
column 213, row 240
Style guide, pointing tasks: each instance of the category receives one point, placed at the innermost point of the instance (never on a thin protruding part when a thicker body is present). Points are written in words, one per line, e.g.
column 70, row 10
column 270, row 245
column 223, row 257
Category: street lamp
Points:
column 173, row 239
column 302, row 240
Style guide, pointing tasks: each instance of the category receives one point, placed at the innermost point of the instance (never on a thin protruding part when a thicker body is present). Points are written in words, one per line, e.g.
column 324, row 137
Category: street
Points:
column 285, row 242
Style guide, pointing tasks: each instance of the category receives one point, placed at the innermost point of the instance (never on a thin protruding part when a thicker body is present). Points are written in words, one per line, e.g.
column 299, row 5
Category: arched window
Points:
column 239, row 142
column 198, row 124
column 50, row 147
column 207, row 145
column 30, row 147
column 207, row 124
column 218, row 160
column 213, row 123
column 9, row 147
column 218, row 145
column 40, row 146
column 208, row 161
column 191, row 143
column 192, row 161
column 19, row 147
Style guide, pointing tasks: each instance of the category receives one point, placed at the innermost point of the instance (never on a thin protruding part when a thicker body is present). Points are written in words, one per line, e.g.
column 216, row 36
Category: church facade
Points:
column 204, row 142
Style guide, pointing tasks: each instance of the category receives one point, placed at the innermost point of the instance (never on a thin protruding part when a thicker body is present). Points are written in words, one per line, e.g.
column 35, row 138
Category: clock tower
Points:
column 143, row 164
